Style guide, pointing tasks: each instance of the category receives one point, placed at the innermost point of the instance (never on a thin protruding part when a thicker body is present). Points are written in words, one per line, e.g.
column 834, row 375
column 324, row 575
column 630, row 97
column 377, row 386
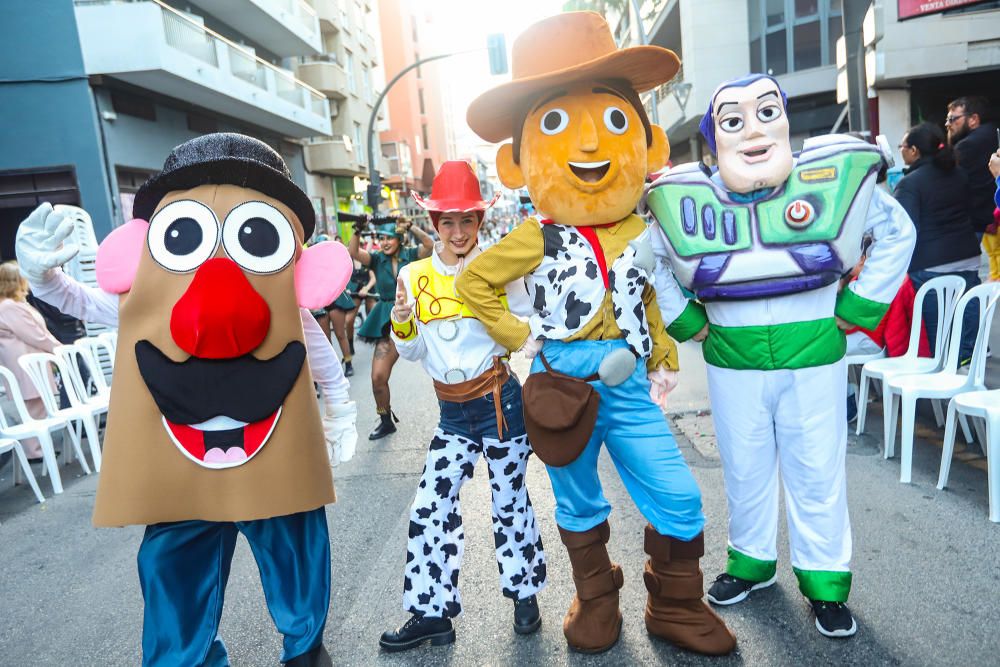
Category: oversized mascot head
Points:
column 213, row 413
column 746, row 126
column 581, row 141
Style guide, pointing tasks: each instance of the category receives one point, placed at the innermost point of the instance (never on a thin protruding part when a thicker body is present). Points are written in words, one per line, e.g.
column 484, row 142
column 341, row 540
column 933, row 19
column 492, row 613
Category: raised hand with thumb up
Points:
column 401, row 310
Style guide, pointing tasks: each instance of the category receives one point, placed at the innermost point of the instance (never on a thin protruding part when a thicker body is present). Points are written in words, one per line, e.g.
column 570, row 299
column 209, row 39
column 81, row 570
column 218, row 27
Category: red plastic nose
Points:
column 221, row 315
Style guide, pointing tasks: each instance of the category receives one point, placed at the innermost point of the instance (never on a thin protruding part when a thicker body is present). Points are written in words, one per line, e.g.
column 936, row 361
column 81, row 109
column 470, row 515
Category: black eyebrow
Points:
column 609, row 91
column 555, row 95
column 719, row 108
column 770, row 92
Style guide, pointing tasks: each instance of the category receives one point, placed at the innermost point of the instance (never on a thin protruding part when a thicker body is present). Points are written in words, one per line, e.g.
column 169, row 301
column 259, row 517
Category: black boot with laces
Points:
column 526, row 616
column 833, row 619
column 416, row 631
column 386, row 425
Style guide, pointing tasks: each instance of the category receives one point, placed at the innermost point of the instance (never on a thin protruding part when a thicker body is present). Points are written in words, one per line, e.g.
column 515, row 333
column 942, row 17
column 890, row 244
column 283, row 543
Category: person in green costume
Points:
column 386, row 263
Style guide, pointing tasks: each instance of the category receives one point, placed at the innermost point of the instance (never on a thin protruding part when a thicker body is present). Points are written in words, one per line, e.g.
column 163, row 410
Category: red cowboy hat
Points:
column 455, row 188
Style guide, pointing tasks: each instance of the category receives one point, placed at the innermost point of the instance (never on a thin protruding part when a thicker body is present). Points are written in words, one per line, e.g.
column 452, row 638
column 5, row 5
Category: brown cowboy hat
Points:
column 564, row 49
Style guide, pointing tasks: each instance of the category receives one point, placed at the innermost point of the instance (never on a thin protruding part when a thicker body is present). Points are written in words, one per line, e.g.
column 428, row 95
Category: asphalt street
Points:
column 926, row 576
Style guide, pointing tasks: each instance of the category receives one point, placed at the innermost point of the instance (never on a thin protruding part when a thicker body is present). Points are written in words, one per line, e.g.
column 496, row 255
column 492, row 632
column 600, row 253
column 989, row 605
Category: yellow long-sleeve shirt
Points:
column 520, row 253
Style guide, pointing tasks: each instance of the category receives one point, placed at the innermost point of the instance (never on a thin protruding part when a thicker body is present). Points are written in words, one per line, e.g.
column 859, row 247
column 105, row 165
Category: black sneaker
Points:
column 526, row 616
column 416, row 631
column 833, row 619
column 728, row 589
column 348, row 369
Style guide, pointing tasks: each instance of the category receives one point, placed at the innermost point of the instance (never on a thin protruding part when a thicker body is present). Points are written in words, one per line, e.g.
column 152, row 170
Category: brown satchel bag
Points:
column 559, row 414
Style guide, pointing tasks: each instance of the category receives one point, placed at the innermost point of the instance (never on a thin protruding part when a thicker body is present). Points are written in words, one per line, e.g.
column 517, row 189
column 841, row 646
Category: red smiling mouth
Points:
column 590, row 172
column 222, row 447
column 757, row 152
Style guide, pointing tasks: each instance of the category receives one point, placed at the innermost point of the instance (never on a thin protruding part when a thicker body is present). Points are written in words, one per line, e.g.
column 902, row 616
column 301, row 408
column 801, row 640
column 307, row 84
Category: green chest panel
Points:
column 697, row 223
column 828, row 185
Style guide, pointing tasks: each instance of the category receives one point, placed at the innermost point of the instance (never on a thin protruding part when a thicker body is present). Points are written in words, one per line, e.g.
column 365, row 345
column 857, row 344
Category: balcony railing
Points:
column 303, row 16
column 186, row 37
column 196, row 40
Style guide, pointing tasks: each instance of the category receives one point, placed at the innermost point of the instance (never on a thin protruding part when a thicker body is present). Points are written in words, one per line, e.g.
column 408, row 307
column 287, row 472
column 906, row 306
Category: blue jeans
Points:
column 639, row 442
column 477, row 419
column 970, row 321
column 183, row 569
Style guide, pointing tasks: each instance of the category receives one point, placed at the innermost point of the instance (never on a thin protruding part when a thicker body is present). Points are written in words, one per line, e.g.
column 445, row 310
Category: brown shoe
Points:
column 593, row 622
column 675, row 610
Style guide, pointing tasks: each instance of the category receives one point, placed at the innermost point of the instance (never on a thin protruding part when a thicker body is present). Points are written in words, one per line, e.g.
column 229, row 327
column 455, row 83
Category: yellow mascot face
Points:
column 584, row 155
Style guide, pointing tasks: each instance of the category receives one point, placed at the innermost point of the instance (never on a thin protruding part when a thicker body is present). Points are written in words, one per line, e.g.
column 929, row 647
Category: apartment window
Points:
column 201, row 124
column 793, row 35
column 420, row 99
column 423, row 134
column 352, row 83
column 362, row 147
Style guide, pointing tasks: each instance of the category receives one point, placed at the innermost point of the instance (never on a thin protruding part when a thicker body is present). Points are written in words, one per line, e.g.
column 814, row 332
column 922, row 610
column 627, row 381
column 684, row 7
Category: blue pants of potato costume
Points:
column 183, row 569
column 639, row 442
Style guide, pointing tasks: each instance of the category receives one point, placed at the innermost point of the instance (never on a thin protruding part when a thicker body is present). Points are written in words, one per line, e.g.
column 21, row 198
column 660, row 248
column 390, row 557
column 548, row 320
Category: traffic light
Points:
column 497, row 46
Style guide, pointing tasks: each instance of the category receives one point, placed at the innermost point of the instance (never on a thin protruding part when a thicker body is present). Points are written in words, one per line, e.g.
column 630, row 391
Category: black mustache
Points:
column 195, row 390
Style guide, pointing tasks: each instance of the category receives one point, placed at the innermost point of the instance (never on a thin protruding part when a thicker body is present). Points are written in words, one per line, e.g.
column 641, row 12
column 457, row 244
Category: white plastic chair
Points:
column 38, row 366
column 8, row 444
column 947, row 290
column 77, row 357
column 946, row 383
column 102, row 357
column 35, row 428
column 111, row 338
column 986, row 405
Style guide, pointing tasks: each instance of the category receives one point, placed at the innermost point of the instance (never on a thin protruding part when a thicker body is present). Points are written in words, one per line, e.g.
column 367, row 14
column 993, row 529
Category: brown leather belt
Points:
column 490, row 382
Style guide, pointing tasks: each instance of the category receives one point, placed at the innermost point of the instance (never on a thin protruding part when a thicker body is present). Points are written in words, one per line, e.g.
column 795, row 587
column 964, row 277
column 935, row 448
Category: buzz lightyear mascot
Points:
column 762, row 243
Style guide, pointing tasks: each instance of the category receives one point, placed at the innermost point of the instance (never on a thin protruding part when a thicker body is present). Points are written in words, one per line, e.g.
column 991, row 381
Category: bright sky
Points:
column 465, row 24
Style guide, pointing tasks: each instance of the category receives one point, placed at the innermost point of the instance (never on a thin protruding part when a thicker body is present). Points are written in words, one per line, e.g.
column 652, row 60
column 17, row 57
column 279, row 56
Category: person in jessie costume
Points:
column 214, row 428
column 582, row 145
column 763, row 243
column 480, row 416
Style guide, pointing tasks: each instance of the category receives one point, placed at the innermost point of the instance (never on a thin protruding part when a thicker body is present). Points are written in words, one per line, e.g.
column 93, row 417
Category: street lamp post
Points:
column 496, row 45
column 374, row 179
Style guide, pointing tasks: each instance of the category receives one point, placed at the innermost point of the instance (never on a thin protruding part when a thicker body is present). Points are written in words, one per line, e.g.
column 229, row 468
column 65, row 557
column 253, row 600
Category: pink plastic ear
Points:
column 321, row 274
column 118, row 256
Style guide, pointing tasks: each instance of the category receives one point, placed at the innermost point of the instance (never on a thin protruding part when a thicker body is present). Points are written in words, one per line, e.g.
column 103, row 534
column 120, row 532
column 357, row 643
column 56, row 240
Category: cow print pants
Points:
column 437, row 539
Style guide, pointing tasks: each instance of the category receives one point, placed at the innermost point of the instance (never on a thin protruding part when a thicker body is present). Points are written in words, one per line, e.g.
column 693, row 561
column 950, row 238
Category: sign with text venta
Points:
column 909, row 9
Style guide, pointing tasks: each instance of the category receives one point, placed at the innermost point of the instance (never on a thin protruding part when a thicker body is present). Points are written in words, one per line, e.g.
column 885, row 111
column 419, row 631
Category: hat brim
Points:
column 453, row 205
column 242, row 172
column 491, row 115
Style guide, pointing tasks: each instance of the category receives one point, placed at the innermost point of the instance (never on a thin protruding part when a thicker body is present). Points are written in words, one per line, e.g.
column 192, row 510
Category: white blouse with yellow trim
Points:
column 443, row 334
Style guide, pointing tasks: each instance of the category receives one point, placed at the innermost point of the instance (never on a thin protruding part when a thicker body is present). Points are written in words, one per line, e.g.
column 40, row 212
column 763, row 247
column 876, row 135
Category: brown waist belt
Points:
column 490, row 382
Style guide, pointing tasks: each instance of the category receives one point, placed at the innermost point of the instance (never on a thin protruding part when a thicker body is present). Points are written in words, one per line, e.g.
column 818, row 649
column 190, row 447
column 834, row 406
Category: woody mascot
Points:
column 480, row 416
column 763, row 243
column 582, row 145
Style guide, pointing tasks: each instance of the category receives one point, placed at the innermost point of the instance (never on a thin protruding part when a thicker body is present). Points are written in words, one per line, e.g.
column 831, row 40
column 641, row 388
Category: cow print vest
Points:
column 568, row 289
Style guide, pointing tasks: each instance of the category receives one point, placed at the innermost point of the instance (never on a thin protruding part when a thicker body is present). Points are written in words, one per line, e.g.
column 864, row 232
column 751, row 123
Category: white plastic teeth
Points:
column 590, row 165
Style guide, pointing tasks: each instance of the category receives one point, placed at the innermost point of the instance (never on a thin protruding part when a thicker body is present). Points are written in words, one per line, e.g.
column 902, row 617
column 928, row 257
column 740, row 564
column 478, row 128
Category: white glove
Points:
column 341, row 433
column 39, row 245
column 661, row 383
column 531, row 347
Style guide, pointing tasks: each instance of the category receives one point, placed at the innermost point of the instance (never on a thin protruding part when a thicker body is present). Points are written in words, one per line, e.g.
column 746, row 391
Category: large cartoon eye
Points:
column 615, row 120
column 183, row 235
column 554, row 121
column 769, row 112
column 258, row 237
column 731, row 123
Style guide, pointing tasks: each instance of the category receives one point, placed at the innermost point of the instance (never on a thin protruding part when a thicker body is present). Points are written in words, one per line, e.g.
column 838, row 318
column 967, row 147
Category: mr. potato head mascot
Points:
column 582, row 145
column 214, row 427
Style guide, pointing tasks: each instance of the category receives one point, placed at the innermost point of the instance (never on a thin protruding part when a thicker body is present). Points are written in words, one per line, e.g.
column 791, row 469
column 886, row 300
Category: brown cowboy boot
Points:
column 675, row 610
column 593, row 622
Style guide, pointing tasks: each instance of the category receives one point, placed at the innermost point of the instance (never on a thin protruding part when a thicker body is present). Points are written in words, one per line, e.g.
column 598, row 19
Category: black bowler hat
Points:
column 226, row 158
